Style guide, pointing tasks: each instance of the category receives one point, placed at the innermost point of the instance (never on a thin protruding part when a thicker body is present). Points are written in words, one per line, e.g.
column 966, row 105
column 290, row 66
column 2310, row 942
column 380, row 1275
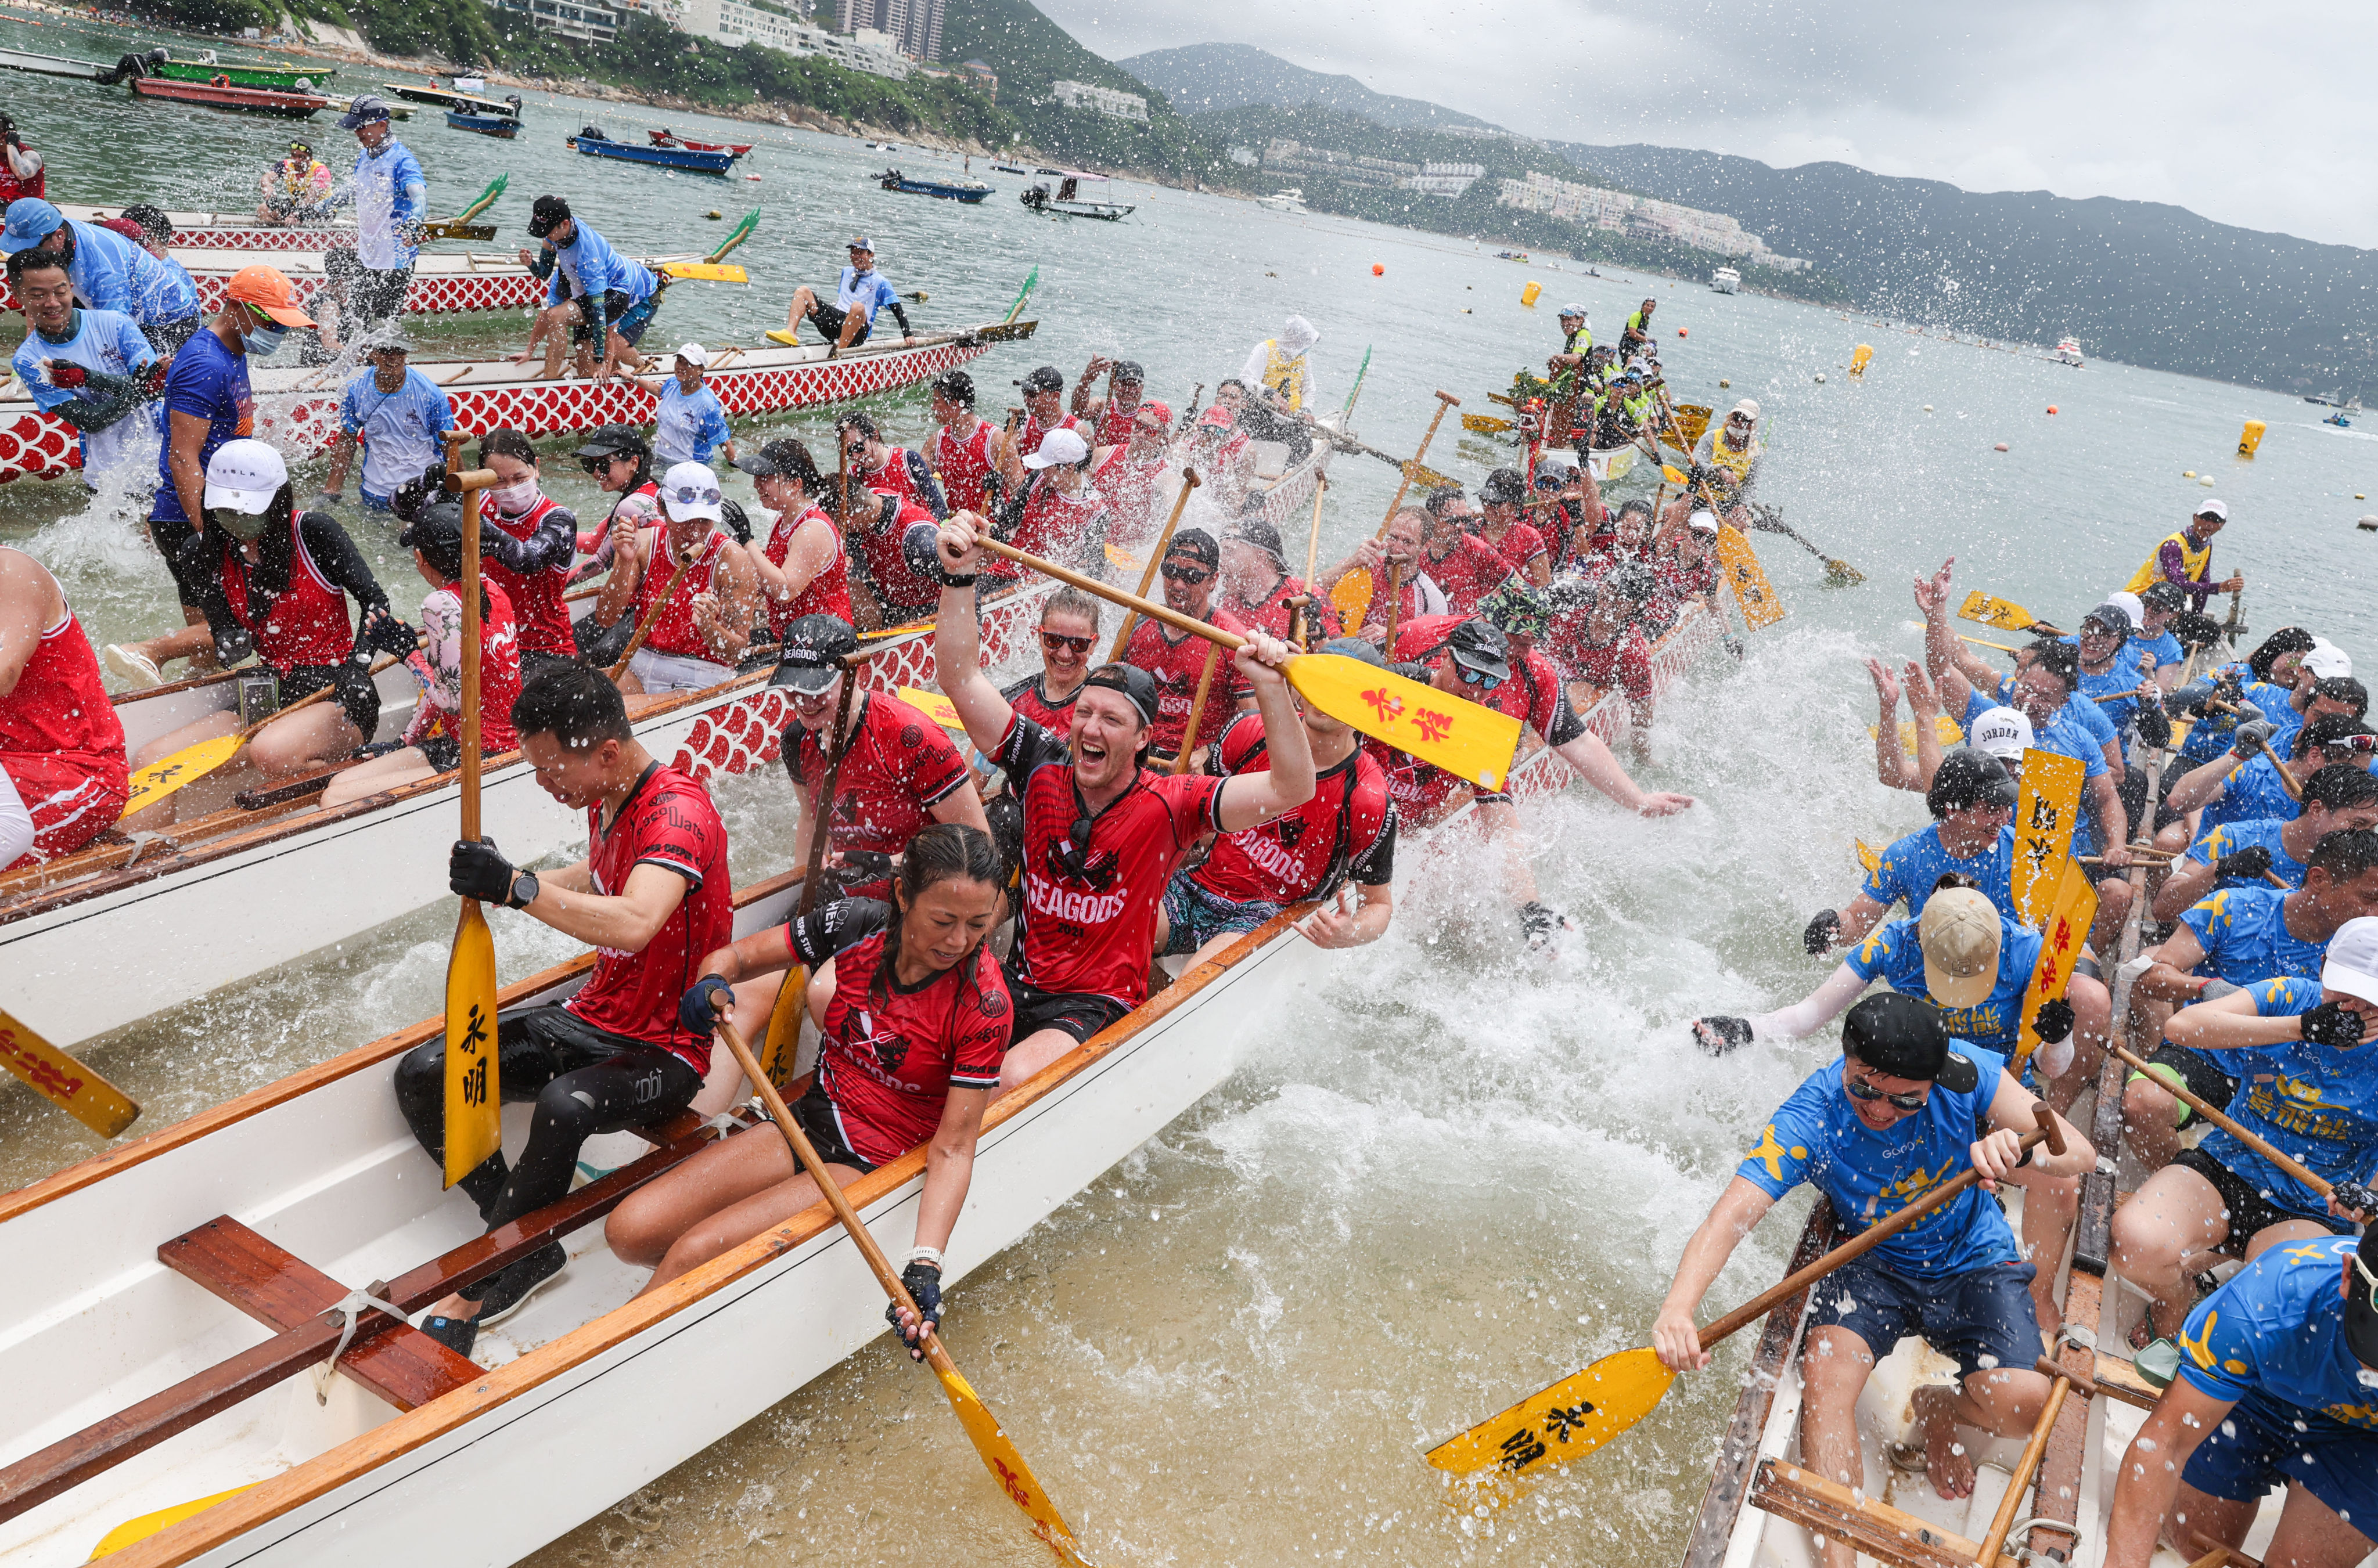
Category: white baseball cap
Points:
column 2324, row 659
column 2352, row 963
column 1749, row 407
column 1703, row 523
column 244, row 476
column 1058, row 447
column 2003, row 733
column 690, row 490
column 2213, row 508
column 2133, row 607
column 695, row 355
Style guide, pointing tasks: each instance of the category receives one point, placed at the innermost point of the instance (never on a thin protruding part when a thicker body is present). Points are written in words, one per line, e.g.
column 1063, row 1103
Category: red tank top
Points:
column 827, row 594
column 1052, row 528
column 898, row 588
column 537, row 609
column 1129, row 484
column 964, row 465
column 673, row 628
column 11, row 187
column 894, row 477
column 500, row 672
column 306, row 624
column 58, row 704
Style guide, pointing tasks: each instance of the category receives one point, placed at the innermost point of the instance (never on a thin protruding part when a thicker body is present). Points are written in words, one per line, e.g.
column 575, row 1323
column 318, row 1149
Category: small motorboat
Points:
column 503, row 126
column 594, row 143
column 1289, row 200
column 466, row 102
column 2067, row 351
column 995, row 168
column 967, row 191
column 883, row 147
column 50, row 65
column 204, row 67
column 670, row 138
column 1068, row 200
column 245, row 100
column 1511, row 255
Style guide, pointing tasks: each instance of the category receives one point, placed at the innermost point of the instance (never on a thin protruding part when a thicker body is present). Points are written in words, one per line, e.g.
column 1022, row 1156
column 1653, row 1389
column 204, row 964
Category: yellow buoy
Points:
column 1723, row 384
column 2249, row 437
column 2187, row 473
column 1860, row 356
column 1528, row 295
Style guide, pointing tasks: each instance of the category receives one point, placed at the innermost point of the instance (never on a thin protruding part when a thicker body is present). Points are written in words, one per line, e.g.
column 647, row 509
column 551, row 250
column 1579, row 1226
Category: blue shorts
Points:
column 631, row 323
column 1198, row 914
column 374, row 503
column 2259, row 1447
column 1983, row 1319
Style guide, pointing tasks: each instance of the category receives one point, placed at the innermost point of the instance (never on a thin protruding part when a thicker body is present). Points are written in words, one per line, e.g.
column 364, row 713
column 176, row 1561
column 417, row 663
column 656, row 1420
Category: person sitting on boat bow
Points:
column 604, row 299
column 913, row 1018
column 652, row 893
column 297, row 189
column 1101, row 831
column 399, row 415
column 851, row 319
column 689, row 586
column 1895, row 1117
column 801, row 564
column 110, row 272
column 91, row 368
column 62, row 769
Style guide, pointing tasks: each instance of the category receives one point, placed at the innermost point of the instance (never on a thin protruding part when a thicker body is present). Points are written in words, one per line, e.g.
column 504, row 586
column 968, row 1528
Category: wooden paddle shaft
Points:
column 1444, row 400
column 1155, row 558
column 1872, row 1236
column 645, row 629
column 2034, row 1450
column 1113, row 595
column 1197, row 708
column 822, row 819
column 2286, row 780
column 1395, row 603
column 2222, row 1119
column 1310, row 611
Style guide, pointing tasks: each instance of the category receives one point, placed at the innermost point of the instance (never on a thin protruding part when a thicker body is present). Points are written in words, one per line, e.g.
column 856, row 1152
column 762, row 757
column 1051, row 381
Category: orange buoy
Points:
column 2000, row 448
column 1378, row 271
column 1682, row 333
column 2051, row 408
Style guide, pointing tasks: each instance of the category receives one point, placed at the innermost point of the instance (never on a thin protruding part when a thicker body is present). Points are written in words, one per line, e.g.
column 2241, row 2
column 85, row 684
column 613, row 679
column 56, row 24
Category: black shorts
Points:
column 615, row 305
column 535, row 660
column 356, row 693
column 444, row 751
column 817, row 1118
column 2250, row 1214
column 830, row 320
column 378, row 293
column 170, row 533
column 2197, row 1075
column 1077, row 1015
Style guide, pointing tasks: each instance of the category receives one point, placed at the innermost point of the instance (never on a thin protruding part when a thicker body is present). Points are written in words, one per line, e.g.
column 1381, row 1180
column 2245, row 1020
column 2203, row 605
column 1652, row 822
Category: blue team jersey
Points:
column 2211, row 734
column 1894, row 951
column 109, row 342
column 389, row 194
column 2064, row 735
column 690, row 425
column 588, row 266
column 2244, row 935
column 2316, row 1101
column 866, row 292
column 2115, row 685
column 1816, row 1137
column 2253, row 792
column 2276, row 1332
column 399, row 429
column 2231, row 837
column 2163, row 647
column 110, row 272
column 210, row 380
column 1913, row 865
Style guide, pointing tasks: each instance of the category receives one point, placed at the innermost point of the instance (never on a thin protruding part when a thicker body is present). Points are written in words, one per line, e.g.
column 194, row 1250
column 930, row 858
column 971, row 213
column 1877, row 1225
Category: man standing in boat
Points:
column 399, row 417
column 605, row 299
column 2186, row 558
column 391, row 197
column 1891, row 1121
column 652, row 897
column 1282, row 366
column 848, row 322
column 91, row 368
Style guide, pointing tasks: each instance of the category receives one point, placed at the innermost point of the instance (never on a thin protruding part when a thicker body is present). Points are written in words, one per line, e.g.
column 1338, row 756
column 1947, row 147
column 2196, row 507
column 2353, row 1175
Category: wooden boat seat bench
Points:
column 1874, row 1528
column 388, row 1356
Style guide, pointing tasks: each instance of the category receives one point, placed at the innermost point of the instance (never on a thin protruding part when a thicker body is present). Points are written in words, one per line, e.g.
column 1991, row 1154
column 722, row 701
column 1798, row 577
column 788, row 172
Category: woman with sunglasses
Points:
column 799, row 563
column 913, row 1017
column 879, row 465
column 1069, row 630
column 700, row 620
column 1903, row 1111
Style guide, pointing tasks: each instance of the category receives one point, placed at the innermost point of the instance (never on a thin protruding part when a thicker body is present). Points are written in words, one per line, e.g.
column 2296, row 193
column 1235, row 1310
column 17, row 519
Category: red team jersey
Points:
column 1129, row 486
column 1621, row 665
column 1087, row 926
column 888, row 1058
column 1520, row 544
column 903, row 594
column 1177, row 666
column 537, row 609
column 62, row 746
column 963, row 464
column 1274, row 614
column 1053, row 526
column 1346, row 831
column 1030, row 697
column 305, row 624
column 673, row 630
column 899, row 765
column 1468, row 572
column 667, row 820
column 827, row 594
column 904, row 475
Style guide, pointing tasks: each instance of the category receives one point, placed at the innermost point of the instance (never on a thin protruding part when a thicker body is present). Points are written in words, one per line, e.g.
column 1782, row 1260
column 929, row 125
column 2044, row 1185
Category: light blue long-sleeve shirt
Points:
column 588, row 268
column 110, row 272
column 391, row 196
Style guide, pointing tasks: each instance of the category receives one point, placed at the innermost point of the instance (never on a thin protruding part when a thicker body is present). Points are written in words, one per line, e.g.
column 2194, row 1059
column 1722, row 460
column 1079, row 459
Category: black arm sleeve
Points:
column 1566, row 726
column 95, row 415
column 344, row 565
column 901, row 316
column 929, row 490
column 830, row 927
column 1007, row 511
column 198, row 565
column 555, row 543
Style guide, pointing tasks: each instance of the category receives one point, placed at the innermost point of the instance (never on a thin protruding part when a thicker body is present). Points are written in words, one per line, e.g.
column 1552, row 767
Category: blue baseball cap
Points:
column 364, row 108
column 30, row 220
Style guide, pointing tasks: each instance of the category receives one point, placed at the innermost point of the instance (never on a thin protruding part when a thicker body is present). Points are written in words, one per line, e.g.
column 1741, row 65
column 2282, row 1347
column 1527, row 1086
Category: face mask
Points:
column 513, row 500
column 261, row 341
column 245, row 527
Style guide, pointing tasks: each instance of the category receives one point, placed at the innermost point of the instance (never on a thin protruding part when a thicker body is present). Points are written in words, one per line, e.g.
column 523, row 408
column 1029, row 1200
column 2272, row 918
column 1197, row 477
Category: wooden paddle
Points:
column 2286, row 780
column 1005, row 1463
column 2034, row 1450
column 1155, row 558
column 2348, row 1194
column 1309, row 612
column 1352, row 594
column 1198, row 708
column 62, row 1079
column 1473, row 743
column 1587, row 1409
column 784, row 1019
column 188, row 766
column 473, row 1092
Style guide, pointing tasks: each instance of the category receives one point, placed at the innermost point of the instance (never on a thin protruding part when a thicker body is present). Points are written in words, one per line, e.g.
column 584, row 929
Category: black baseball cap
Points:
column 1129, row 370
column 614, row 440
column 1136, row 685
column 1902, row 1037
column 2110, row 617
column 1045, row 379
column 1195, row 543
column 437, row 532
column 547, row 214
column 777, row 458
column 1356, row 647
column 1478, row 644
column 1967, row 778
column 1259, row 533
column 2362, row 1302
column 2164, row 596
column 956, row 386
column 813, row 652
column 1503, row 487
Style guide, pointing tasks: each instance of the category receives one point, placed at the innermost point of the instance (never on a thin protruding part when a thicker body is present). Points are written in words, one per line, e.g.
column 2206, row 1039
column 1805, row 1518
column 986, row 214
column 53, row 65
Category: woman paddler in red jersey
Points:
column 526, row 543
column 1101, row 833
column 1069, row 635
column 800, row 562
column 1057, row 515
column 62, row 775
column 912, row 1017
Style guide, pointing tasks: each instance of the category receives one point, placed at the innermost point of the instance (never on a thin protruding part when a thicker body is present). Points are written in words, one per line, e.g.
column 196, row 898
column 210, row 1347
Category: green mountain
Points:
column 1204, row 77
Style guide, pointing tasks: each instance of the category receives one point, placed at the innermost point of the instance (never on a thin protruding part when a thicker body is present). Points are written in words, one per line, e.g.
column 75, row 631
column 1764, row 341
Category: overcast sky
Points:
column 2260, row 116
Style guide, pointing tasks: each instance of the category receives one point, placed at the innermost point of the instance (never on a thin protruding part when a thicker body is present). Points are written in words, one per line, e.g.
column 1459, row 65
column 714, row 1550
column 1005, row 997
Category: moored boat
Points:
column 206, row 68
column 670, row 138
column 1726, row 281
column 593, row 143
column 242, row 99
column 1077, row 195
column 502, row 126
column 2067, row 351
column 50, row 65
column 969, row 191
column 1289, row 200
column 471, row 103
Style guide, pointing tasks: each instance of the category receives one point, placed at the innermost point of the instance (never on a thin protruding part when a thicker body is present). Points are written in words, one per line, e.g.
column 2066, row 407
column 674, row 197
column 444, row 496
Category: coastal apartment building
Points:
column 1642, row 218
column 1285, row 157
column 1102, row 100
column 739, row 22
column 585, row 20
column 914, row 25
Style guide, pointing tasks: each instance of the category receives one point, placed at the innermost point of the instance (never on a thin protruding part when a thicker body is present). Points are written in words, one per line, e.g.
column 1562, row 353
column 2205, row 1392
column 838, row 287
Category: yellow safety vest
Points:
column 1734, row 462
column 1282, row 374
column 2197, row 558
column 296, row 181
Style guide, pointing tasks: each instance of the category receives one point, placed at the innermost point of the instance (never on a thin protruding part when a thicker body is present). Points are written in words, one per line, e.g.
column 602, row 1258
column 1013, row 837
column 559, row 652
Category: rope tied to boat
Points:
column 352, row 1309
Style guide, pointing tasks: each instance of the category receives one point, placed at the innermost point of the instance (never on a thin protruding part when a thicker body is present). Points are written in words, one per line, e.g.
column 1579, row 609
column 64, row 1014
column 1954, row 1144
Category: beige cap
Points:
column 1959, row 936
column 1748, row 406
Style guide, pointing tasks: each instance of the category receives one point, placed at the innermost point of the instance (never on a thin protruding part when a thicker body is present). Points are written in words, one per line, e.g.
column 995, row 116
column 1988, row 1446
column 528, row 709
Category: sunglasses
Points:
column 597, row 465
column 1191, row 576
column 1478, row 678
column 1071, row 860
column 686, row 496
column 1051, row 641
column 1863, row 1089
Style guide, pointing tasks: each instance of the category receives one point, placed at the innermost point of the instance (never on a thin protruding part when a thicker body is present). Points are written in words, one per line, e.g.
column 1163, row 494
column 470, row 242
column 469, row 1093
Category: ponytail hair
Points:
column 944, row 853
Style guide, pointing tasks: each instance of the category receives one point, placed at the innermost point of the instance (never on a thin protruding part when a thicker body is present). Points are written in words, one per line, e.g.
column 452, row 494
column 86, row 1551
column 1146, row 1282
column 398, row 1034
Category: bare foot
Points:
column 1945, row 1460
column 2043, row 1303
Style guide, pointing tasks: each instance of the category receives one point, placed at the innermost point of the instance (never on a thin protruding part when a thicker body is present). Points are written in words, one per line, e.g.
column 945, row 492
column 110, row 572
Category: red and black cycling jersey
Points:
column 1177, row 660
column 888, row 1054
column 1275, row 612
column 667, row 820
column 1088, row 917
column 899, row 766
column 1029, row 697
column 1346, row 833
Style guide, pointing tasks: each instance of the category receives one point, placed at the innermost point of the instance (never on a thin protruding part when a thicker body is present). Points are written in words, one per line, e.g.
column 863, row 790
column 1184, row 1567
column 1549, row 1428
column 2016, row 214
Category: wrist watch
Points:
column 524, row 889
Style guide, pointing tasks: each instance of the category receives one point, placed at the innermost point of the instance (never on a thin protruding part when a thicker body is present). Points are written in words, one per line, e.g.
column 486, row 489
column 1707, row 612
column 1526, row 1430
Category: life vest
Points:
column 305, row 624
column 2196, row 559
column 1579, row 341
column 296, row 181
column 673, row 630
column 541, row 618
column 827, row 594
column 1734, row 462
column 1282, row 374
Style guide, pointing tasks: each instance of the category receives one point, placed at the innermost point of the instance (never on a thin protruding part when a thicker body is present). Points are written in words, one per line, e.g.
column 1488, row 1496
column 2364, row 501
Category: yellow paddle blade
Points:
column 1672, row 473
column 786, row 339
column 777, row 1055
column 1124, row 558
column 1008, row 1468
column 1352, row 598
column 2004, row 614
column 934, row 705
column 162, row 778
column 1568, row 1420
column 1867, row 857
column 1485, row 424
column 474, row 1093
column 717, row 272
column 1947, row 729
column 148, row 1524
column 2045, row 811
column 1473, row 744
column 61, row 1079
column 1739, row 562
column 1426, row 477
column 2069, row 920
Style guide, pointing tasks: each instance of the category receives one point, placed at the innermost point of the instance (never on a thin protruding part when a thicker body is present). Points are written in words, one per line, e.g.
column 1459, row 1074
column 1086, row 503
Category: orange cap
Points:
column 270, row 292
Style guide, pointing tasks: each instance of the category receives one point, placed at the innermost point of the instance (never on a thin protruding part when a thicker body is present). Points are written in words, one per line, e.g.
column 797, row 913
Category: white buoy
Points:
column 1821, row 380
column 2369, row 522
column 1928, row 407
column 2207, row 480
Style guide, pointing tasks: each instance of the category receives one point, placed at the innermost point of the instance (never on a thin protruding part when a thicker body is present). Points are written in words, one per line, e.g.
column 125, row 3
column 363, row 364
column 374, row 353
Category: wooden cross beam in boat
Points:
column 1875, row 1528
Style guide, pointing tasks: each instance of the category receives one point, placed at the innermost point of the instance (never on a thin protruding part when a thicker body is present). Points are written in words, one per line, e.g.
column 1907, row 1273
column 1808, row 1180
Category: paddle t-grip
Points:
column 2049, row 1127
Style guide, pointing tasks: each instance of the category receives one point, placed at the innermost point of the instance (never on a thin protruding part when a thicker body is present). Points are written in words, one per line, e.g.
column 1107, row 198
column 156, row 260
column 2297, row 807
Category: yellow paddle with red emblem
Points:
column 474, row 1098
column 1473, row 743
column 58, row 1077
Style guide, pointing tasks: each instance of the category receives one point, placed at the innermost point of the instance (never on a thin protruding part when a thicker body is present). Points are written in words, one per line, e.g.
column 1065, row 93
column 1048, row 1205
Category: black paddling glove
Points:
column 705, row 1001
column 2054, row 1020
column 2333, row 1024
column 383, row 633
column 923, row 1283
column 2155, row 726
column 2250, row 863
column 2355, row 1198
column 1720, row 1035
column 1822, row 933
column 475, row 870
